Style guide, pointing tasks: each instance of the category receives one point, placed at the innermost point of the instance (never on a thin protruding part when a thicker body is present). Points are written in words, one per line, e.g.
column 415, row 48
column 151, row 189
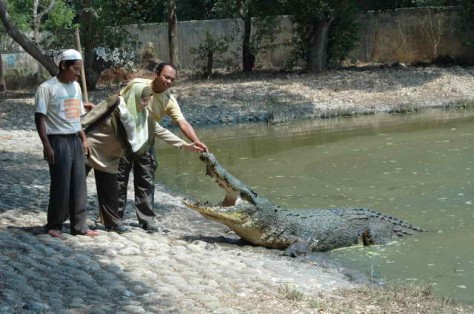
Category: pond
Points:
column 416, row 167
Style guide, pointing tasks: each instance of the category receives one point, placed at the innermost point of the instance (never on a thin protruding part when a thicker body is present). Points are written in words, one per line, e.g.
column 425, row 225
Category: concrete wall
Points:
column 411, row 35
column 405, row 35
column 19, row 62
column 193, row 33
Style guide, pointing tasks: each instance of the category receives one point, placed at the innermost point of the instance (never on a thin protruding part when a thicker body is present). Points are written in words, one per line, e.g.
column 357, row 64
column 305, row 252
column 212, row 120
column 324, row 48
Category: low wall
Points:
column 404, row 35
column 411, row 35
column 191, row 34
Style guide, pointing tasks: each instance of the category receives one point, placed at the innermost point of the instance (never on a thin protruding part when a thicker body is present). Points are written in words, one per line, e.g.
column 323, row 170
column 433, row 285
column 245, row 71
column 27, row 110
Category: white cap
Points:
column 70, row 54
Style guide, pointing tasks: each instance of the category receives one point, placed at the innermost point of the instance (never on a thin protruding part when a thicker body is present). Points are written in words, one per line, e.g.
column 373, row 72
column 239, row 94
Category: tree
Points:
column 172, row 32
column 101, row 25
column 377, row 5
column 245, row 13
column 467, row 21
column 104, row 37
column 205, row 53
column 28, row 45
column 433, row 27
column 144, row 11
column 249, row 11
column 314, row 19
column 196, row 9
column 38, row 13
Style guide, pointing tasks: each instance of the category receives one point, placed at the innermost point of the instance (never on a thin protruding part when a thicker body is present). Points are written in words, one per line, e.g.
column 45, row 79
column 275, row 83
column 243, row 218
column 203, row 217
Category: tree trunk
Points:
column 92, row 75
column 172, row 32
column 38, row 13
column 3, row 85
column 29, row 46
column 88, row 44
column 247, row 57
column 210, row 64
column 318, row 45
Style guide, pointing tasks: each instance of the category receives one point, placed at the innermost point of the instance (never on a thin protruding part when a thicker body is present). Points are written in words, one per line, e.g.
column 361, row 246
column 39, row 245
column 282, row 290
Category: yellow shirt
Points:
column 162, row 104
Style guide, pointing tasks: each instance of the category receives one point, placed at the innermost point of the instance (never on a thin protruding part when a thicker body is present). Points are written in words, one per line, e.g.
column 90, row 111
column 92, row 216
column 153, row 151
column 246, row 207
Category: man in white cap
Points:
column 59, row 107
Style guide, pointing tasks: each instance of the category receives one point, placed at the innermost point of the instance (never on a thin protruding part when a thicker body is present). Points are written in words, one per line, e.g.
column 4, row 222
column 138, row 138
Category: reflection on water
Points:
column 415, row 167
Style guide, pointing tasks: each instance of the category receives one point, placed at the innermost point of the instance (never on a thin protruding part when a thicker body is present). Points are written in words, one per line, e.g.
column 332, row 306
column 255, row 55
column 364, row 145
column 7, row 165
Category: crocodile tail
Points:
column 406, row 229
column 400, row 227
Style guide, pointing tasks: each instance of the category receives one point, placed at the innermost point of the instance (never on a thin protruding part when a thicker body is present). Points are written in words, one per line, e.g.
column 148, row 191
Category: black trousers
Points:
column 143, row 181
column 107, row 196
column 68, row 191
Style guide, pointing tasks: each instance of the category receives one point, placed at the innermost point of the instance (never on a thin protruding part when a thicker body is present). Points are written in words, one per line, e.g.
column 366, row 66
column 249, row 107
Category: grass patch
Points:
column 369, row 299
column 404, row 109
column 278, row 111
column 460, row 105
column 394, row 298
column 290, row 293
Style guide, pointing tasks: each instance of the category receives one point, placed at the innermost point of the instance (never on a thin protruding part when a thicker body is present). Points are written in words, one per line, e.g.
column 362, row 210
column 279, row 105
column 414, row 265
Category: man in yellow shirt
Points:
column 162, row 104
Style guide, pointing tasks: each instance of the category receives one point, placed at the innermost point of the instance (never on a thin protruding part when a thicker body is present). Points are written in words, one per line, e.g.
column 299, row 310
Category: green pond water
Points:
column 416, row 167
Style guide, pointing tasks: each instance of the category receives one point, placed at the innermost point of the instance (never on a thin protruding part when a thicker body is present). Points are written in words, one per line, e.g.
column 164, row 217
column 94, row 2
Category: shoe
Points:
column 119, row 229
column 54, row 233
column 150, row 228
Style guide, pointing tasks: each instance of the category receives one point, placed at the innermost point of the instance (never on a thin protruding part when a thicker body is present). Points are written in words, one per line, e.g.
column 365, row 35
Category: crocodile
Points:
column 296, row 231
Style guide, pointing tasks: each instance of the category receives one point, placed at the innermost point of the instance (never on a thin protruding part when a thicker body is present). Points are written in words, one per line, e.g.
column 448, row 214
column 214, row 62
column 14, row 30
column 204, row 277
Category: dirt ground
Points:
column 336, row 92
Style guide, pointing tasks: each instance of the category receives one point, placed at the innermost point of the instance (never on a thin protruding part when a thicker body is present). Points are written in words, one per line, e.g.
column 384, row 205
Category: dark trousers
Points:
column 107, row 196
column 143, row 181
column 67, row 192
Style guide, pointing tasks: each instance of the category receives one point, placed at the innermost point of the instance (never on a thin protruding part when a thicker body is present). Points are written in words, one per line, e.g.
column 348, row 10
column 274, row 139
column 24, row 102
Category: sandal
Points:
column 54, row 233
